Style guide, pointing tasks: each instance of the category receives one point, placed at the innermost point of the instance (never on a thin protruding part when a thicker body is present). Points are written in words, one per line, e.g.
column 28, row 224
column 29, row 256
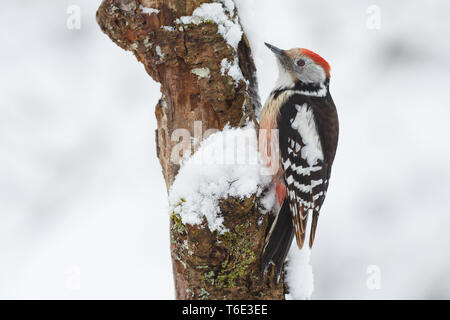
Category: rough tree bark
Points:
column 186, row 60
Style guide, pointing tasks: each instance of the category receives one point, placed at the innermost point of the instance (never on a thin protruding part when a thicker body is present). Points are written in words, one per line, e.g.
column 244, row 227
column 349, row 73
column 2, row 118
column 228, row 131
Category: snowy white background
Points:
column 82, row 199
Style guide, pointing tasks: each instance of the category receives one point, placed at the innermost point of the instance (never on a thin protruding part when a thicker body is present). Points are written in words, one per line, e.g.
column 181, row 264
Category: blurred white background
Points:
column 83, row 208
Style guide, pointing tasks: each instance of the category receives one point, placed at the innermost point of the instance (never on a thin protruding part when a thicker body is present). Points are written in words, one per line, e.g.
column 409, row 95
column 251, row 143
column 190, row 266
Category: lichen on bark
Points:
column 225, row 265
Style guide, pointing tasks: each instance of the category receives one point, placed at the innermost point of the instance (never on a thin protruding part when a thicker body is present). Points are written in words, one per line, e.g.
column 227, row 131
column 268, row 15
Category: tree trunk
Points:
column 187, row 59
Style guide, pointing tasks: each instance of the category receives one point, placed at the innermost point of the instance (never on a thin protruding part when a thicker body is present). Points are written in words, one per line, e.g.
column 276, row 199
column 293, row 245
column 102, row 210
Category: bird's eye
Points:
column 301, row 63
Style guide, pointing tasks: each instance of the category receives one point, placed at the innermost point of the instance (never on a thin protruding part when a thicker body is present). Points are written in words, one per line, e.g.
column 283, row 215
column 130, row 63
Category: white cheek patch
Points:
column 312, row 73
column 284, row 77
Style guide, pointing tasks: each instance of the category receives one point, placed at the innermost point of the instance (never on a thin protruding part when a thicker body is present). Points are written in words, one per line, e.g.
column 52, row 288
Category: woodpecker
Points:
column 300, row 109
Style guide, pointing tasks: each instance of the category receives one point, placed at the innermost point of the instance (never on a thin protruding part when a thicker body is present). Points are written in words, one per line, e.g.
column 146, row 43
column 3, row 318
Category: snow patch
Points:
column 229, row 5
column 233, row 70
column 299, row 274
column 228, row 24
column 223, row 13
column 148, row 10
column 227, row 164
column 168, row 28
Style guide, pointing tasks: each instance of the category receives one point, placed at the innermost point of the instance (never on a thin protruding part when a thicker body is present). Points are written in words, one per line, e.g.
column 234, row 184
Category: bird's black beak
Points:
column 274, row 49
column 279, row 53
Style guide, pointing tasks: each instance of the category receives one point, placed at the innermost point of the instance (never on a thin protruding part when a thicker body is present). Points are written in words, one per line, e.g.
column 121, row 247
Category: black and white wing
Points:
column 305, row 161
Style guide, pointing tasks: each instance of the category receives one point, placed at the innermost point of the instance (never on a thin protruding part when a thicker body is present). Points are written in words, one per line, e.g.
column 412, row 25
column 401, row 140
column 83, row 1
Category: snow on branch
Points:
column 223, row 14
column 227, row 164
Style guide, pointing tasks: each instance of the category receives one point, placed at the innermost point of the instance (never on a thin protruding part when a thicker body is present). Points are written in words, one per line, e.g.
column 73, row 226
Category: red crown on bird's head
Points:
column 318, row 60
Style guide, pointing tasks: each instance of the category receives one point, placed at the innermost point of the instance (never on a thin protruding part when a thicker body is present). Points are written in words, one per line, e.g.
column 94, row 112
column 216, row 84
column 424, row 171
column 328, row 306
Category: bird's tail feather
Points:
column 313, row 228
column 278, row 241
